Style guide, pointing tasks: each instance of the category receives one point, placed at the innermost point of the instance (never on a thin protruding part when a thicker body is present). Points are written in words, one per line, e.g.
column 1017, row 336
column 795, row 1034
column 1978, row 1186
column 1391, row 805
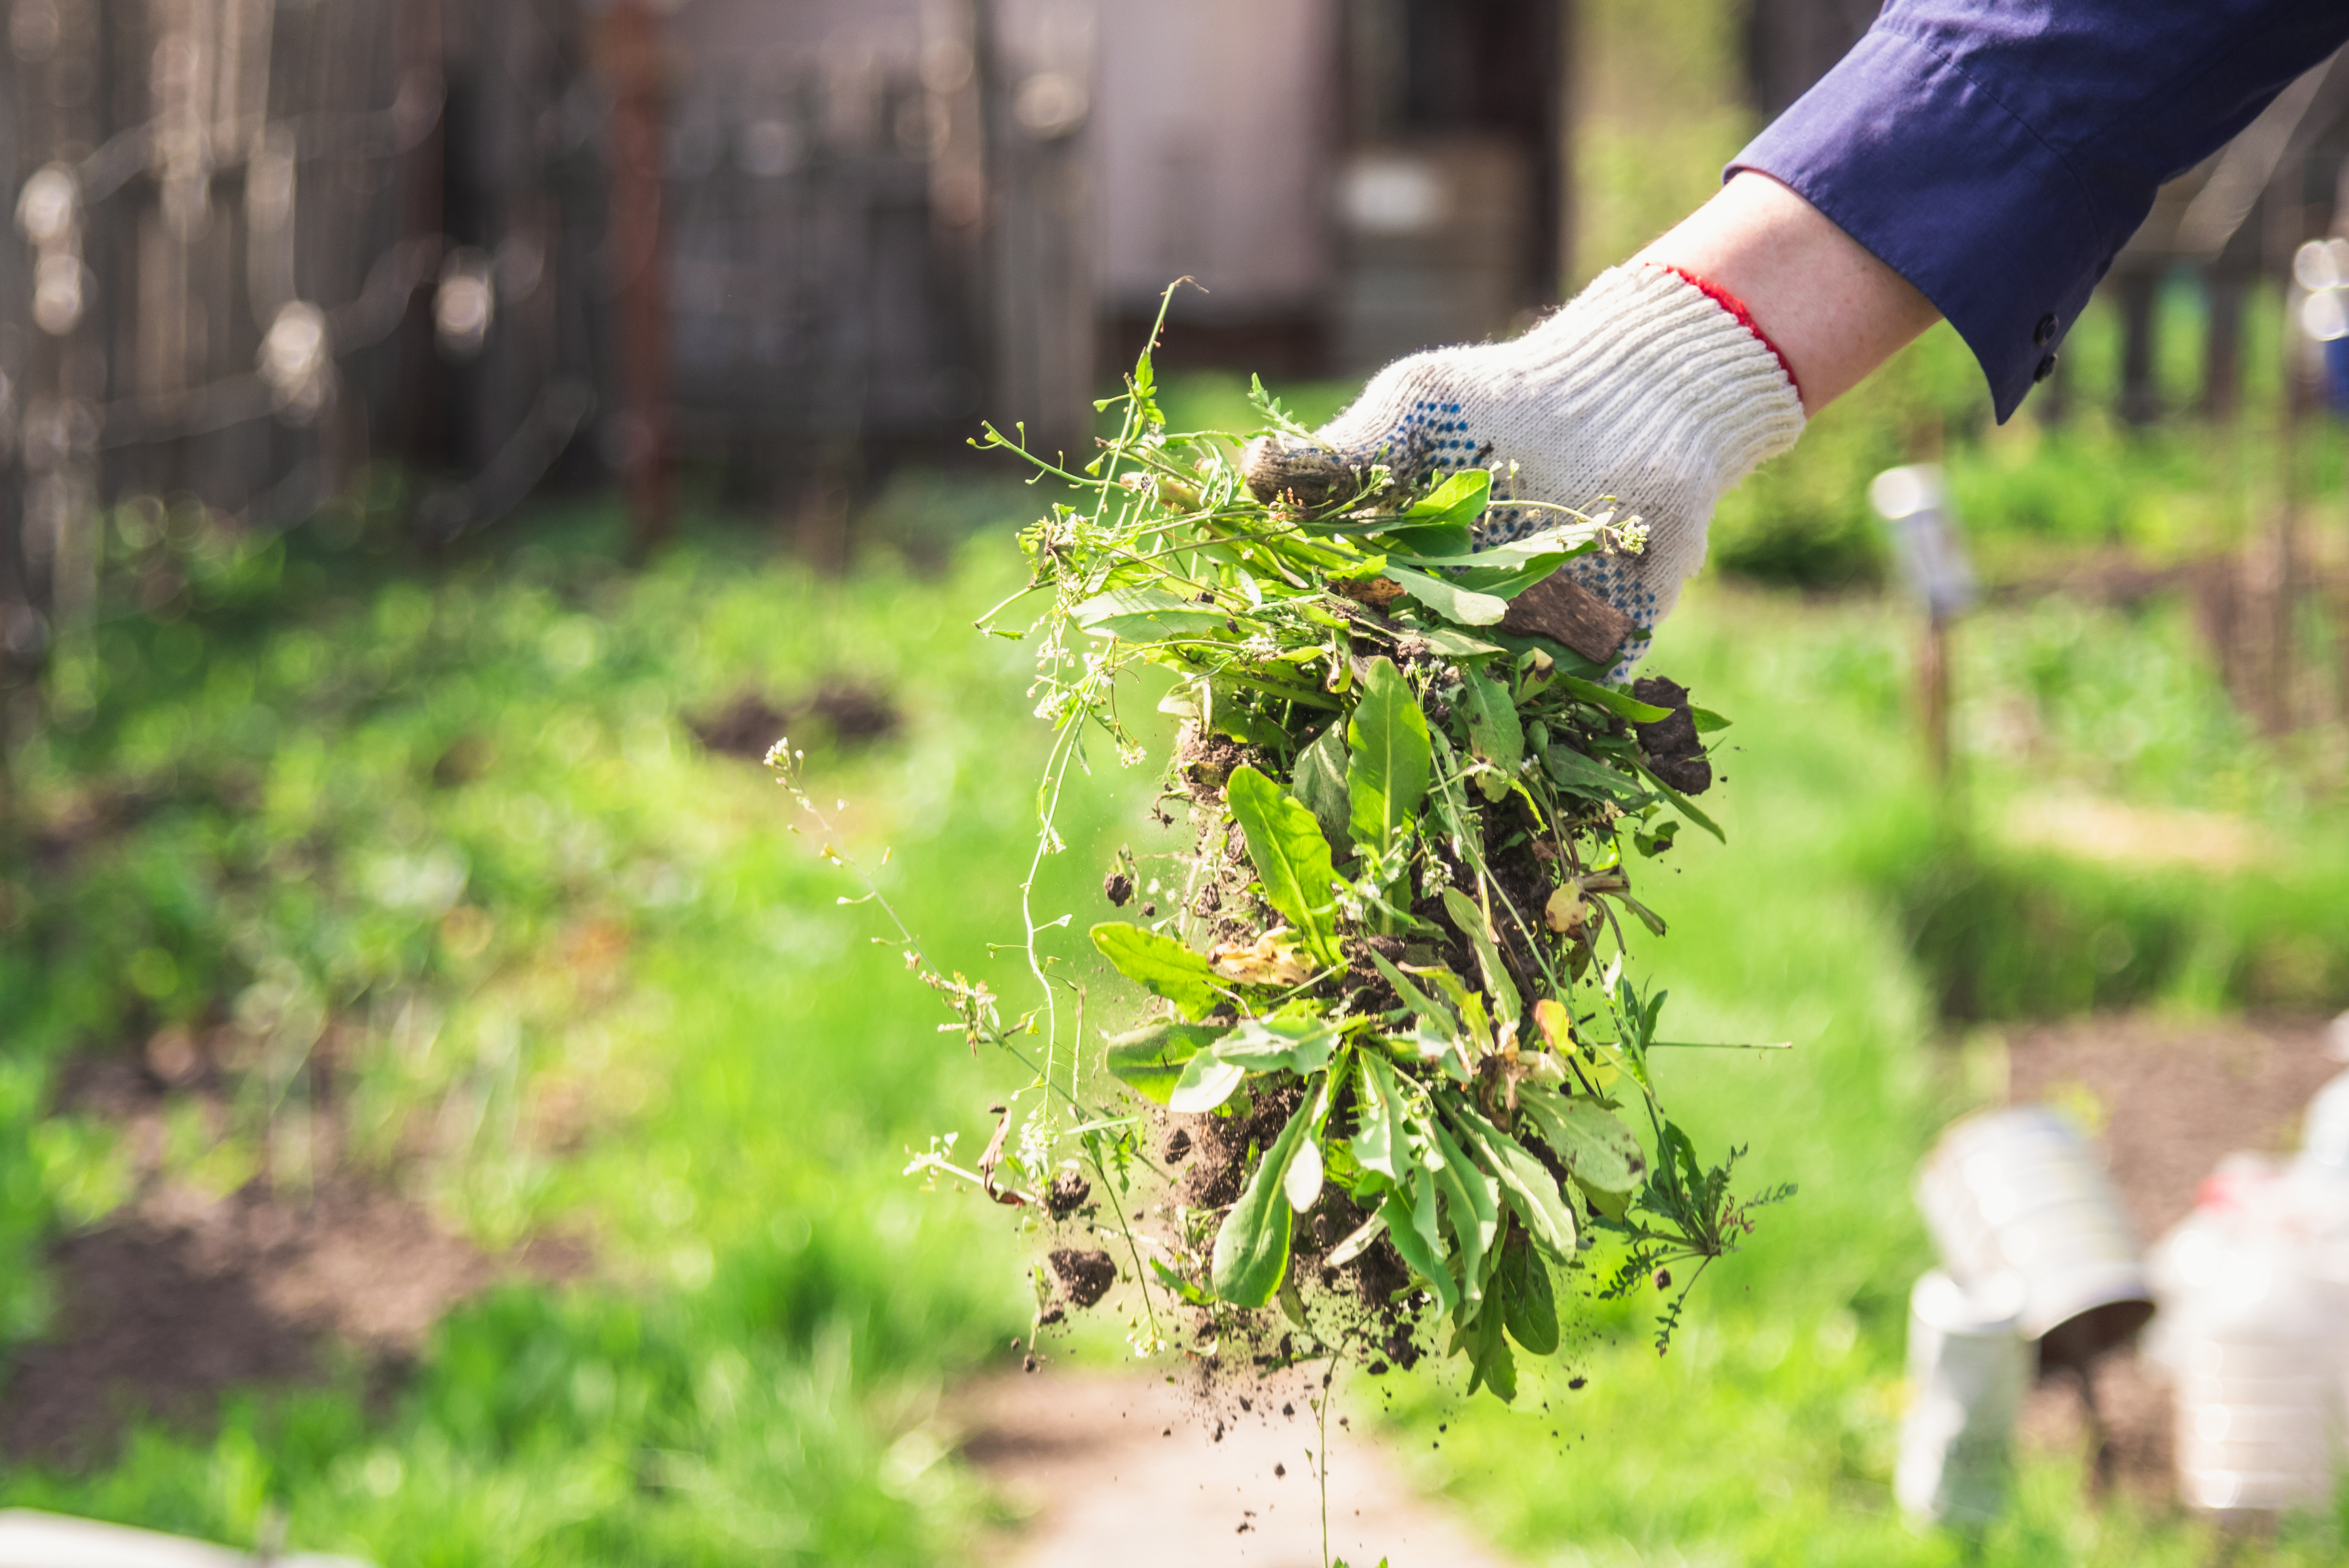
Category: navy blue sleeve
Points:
column 1997, row 153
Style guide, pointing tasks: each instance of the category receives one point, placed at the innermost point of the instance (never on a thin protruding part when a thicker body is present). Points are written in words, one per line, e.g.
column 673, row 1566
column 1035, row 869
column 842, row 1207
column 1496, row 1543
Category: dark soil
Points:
column 185, row 1295
column 2172, row 1098
column 844, row 713
column 1675, row 752
column 1203, row 761
column 1085, row 1276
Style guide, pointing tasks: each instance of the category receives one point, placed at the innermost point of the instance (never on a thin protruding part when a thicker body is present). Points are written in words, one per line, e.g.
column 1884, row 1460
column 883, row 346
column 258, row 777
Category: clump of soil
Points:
column 1085, row 1276
column 1675, row 752
column 1067, row 1194
column 845, row 712
column 1203, row 760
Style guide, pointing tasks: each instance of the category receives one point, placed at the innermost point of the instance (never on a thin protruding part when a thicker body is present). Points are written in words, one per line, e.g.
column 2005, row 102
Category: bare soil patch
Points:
column 185, row 1294
column 2166, row 1098
column 1123, row 1469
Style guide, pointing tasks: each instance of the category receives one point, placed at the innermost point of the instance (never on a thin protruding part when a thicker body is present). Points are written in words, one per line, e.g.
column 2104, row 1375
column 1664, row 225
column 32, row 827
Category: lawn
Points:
column 426, row 857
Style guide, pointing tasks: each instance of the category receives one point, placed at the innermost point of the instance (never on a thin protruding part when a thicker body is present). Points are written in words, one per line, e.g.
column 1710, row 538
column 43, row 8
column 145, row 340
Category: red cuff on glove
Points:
column 1736, row 307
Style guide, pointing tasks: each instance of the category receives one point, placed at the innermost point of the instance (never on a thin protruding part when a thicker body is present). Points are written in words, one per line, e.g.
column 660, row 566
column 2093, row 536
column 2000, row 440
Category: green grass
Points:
column 1768, row 1433
column 321, row 759
column 589, row 916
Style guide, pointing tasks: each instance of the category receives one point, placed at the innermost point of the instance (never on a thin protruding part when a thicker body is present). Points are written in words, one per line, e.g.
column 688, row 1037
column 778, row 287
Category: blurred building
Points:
column 1344, row 179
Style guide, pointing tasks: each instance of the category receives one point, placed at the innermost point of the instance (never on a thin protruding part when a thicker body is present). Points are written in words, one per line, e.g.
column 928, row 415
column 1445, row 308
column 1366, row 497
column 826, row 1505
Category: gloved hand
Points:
column 1645, row 387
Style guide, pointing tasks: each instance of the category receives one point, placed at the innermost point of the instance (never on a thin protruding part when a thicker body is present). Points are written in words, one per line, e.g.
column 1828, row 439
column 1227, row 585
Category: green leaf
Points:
column 1378, row 1142
column 1459, row 500
column 1183, row 1288
column 1577, row 773
column 1454, row 604
column 1490, row 1364
column 1494, row 732
column 1302, row 1185
column 1387, row 759
column 1528, row 1309
column 1553, row 546
column 1620, row 704
column 1150, row 1061
column 1417, row 1000
column 1297, row 1039
column 1531, row 1190
column 1161, row 963
column 1442, row 540
column 1416, row 1243
column 1506, row 1004
column 1455, row 643
column 1207, row 1082
column 1146, row 615
column 1290, row 856
column 1589, row 1139
column 1251, row 1252
column 1320, row 781
column 1472, row 1205
column 1707, row 721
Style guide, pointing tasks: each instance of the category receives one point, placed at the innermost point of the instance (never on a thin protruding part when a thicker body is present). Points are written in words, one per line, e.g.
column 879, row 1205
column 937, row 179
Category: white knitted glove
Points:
column 1644, row 388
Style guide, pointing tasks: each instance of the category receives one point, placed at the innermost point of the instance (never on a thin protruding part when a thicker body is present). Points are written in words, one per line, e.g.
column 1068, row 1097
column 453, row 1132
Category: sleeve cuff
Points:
column 1915, row 161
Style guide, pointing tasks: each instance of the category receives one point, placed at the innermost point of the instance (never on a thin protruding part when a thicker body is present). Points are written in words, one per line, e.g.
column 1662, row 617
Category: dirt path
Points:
column 1122, row 1474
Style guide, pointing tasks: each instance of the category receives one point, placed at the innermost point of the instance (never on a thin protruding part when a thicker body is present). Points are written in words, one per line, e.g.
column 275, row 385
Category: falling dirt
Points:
column 1121, row 1469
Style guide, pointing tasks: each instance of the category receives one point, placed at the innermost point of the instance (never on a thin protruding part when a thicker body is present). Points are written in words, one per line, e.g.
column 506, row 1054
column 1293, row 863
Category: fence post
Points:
column 632, row 59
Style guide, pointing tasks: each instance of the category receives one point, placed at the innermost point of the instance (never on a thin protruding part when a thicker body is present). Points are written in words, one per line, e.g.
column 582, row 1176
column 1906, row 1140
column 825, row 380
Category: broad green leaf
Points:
column 1494, row 732
column 1506, row 1004
column 1387, row 759
column 1160, row 962
column 1378, row 1142
column 1531, row 1190
column 1448, row 600
column 1552, row 546
column 1146, row 615
column 1456, row 644
column 1623, row 704
column 1707, row 721
column 1251, row 1251
column 1290, row 856
column 1320, row 781
column 1150, row 1061
column 1474, row 1206
column 1416, row 1242
column 1577, row 773
column 1459, row 500
column 1435, row 539
column 1592, row 1140
column 1528, row 1308
column 1506, row 584
column 1207, row 1082
column 1297, row 1039
column 1490, row 1364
